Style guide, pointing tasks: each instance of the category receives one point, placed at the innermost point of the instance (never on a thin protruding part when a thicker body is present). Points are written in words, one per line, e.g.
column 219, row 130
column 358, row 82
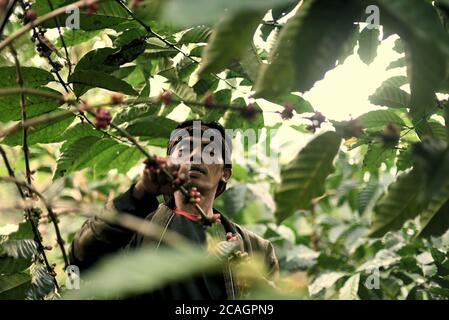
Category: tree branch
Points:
column 41, row 20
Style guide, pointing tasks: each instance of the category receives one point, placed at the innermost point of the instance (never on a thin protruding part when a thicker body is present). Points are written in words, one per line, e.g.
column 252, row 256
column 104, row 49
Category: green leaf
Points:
column 366, row 195
column 151, row 269
column 434, row 220
column 420, row 18
column 379, row 118
column 303, row 178
column 234, row 119
column 405, row 159
column 419, row 26
column 324, row 281
column 229, row 41
column 185, row 13
column 390, row 97
column 399, row 205
column 69, row 157
column 299, row 104
column 100, row 154
column 32, row 77
column 198, row 34
column 350, row 289
column 152, row 127
column 399, row 63
column 43, row 133
column 368, row 43
column 99, row 79
column 376, row 155
column 15, row 286
column 73, row 37
column 109, row 15
column 35, row 105
column 308, row 46
column 42, row 283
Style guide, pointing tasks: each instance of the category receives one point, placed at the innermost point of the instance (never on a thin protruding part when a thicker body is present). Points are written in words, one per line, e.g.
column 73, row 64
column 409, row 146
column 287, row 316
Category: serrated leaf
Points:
column 35, row 105
column 99, row 79
column 15, row 286
column 366, row 195
column 42, row 283
column 151, row 269
column 368, row 43
column 379, row 118
column 308, row 46
column 198, row 34
column 32, row 77
column 152, row 127
column 390, row 97
column 434, row 220
column 303, row 178
column 399, row 205
column 109, row 15
column 43, row 133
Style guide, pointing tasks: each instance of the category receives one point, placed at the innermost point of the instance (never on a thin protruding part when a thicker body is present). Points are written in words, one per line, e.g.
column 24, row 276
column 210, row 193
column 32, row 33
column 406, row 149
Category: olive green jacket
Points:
column 98, row 238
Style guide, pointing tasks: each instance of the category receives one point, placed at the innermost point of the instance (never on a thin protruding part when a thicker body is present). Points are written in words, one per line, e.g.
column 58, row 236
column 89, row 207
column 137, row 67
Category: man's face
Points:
column 200, row 158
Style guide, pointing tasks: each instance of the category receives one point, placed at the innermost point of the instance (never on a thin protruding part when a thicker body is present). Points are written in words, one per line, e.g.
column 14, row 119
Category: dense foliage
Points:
column 361, row 212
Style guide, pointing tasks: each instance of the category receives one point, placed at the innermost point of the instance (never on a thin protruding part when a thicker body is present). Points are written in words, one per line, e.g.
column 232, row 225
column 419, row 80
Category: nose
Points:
column 195, row 155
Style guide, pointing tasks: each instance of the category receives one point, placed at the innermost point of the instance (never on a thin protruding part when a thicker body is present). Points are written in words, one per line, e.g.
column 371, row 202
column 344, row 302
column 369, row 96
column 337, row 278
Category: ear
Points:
column 227, row 173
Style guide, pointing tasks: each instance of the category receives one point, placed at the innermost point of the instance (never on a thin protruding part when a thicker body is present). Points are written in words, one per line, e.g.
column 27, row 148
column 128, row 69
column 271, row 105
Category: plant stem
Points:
column 49, row 209
column 41, row 20
column 29, row 215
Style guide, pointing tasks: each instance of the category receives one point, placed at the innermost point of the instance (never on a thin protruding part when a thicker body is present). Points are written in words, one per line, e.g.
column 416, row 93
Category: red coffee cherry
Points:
column 166, row 97
column 287, row 113
column 102, row 118
column 250, row 112
column 30, row 16
column 155, row 163
column 117, row 98
column 209, row 99
column 92, row 8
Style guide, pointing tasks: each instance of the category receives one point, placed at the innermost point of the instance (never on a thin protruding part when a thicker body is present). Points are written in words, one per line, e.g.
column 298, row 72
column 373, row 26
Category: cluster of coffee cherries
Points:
column 317, row 119
column 287, row 113
column 249, row 112
column 391, row 135
column 102, row 118
column 166, row 97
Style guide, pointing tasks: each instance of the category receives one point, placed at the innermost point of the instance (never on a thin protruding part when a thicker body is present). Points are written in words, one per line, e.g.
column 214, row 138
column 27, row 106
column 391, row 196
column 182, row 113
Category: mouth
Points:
column 198, row 170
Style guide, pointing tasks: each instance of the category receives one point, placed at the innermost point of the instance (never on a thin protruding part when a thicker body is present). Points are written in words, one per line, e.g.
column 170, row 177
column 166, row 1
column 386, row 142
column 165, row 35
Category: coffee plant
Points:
column 91, row 90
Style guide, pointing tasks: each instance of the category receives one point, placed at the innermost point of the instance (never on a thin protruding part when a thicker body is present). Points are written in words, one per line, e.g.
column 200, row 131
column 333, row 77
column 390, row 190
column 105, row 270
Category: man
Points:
column 205, row 159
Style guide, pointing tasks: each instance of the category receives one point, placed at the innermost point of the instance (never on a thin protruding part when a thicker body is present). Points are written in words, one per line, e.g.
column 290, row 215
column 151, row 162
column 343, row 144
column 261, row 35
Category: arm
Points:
column 97, row 238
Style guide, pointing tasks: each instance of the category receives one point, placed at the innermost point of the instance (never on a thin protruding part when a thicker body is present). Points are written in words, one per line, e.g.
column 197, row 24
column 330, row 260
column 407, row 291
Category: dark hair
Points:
column 227, row 145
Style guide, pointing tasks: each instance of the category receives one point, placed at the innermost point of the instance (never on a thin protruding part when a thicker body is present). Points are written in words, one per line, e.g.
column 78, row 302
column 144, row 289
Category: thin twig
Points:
column 49, row 209
column 29, row 215
column 26, row 151
column 168, row 43
column 8, row 14
column 58, row 25
column 15, row 35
